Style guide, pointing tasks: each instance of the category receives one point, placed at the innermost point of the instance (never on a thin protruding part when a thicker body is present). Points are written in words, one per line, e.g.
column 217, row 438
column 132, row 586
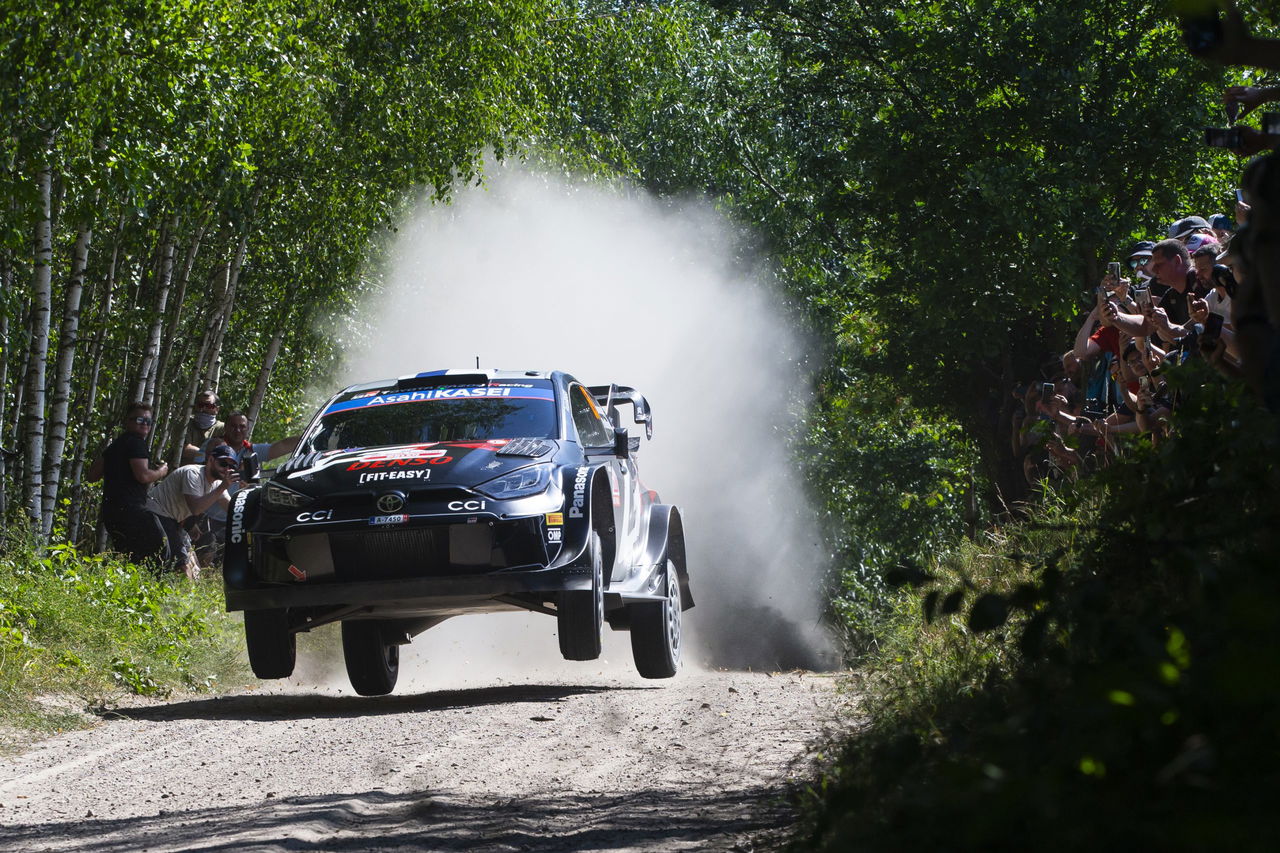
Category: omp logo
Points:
column 237, row 516
column 317, row 515
column 579, row 492
column 466, row 506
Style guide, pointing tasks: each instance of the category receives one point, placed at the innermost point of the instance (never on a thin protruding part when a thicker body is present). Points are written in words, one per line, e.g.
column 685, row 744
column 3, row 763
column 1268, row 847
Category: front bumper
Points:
column 441, row 593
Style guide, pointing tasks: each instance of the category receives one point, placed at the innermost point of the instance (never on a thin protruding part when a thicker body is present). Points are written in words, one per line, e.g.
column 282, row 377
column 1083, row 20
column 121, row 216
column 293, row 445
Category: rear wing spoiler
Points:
column 611, row 396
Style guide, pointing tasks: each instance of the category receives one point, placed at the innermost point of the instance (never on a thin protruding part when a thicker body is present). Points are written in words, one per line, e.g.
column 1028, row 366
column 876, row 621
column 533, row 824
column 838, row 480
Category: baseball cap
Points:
column 1183, row 227
column 1199, row 241
column 1222, row 222
column 1142, row 249
column 222, row 451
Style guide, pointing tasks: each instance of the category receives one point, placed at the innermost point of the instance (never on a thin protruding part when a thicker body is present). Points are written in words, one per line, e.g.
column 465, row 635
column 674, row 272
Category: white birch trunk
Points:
column 146, row 385
column 170, row 418
column 90, row 400
column 68, row 335
column 6, row 281
column 41, row 308
column 264, row 375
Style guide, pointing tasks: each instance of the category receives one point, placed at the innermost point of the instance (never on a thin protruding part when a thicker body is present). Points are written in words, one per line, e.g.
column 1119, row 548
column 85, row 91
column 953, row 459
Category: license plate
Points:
column 389, row 519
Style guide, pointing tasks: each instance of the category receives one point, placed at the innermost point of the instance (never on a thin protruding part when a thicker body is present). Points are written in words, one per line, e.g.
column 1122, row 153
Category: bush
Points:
column 98, row 626
column 1104, row 674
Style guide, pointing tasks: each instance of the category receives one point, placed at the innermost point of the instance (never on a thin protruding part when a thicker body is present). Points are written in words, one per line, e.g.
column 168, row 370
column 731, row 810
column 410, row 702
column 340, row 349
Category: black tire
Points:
column 373, row 664
column 655, row 632
column 273, row 649
column 580, row 613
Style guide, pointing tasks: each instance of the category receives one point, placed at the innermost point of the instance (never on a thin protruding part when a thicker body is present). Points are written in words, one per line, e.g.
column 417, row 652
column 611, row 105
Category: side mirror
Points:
column 621, row 443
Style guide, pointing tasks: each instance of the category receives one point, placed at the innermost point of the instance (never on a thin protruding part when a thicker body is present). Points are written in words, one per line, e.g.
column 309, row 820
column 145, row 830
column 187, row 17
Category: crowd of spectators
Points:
column 1208, row 289
column 175, row 521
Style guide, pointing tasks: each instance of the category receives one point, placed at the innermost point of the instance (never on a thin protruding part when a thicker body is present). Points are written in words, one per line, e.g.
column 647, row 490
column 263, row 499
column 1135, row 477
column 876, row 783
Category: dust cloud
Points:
column 613, row 285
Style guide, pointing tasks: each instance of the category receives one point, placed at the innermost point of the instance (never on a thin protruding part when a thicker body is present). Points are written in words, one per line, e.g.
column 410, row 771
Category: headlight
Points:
column 278, row 498
column 518, row 484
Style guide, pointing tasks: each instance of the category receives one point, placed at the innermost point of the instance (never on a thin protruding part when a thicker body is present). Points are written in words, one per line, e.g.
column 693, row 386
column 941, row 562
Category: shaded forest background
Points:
column 191, row 188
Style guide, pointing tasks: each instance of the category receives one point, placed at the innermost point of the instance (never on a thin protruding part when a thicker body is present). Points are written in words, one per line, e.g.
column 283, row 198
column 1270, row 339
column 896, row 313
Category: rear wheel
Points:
column 655, row 631
column 273, row 649
column 580, row 612
column 373, row 664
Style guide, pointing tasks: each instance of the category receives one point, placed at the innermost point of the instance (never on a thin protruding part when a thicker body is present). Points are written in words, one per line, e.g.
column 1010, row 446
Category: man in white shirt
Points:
column 191, row 490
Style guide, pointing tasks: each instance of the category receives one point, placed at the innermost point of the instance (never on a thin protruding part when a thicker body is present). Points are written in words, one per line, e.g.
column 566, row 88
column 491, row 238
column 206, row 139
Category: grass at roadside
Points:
column 96, row 628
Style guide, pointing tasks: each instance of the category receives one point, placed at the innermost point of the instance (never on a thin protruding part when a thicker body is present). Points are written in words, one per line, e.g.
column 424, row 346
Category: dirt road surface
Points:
column 594, row 760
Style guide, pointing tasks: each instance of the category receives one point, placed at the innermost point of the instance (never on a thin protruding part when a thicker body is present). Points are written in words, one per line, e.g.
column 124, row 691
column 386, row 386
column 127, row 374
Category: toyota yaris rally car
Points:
column 415, row 499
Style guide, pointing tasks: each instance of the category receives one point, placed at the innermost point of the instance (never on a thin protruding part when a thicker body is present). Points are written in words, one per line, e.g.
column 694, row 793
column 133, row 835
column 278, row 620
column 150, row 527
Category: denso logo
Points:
column 317, row 515
column 579, row 492
column 375, row 476
column 466, row 506
column 401, row 463
column 237, row 516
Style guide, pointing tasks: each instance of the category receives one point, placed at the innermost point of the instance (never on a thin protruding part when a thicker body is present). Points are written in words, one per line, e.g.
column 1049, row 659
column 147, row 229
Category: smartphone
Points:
column 1239, row 195
column 1142, row 296
column 1113, row 270
column 1212, row 331
column 1144, row 382
column 1046, row 391
column 1224, row 137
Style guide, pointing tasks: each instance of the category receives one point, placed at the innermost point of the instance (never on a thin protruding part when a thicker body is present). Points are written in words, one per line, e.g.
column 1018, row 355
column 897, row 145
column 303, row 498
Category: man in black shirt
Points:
column 126, row 472
column 1175, row 280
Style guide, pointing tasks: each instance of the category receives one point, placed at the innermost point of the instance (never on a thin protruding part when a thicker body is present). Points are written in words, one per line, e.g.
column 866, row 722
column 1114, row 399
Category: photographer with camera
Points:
column 209, row 531
column 190, row 491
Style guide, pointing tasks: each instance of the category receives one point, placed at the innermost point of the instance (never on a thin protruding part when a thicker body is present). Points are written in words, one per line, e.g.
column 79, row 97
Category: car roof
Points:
column 454, row 376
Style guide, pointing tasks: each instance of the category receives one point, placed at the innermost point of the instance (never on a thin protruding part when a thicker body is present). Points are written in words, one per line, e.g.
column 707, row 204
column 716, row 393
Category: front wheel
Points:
column 580, row 612
column 373, row 664
column 273, row 648
column 655, row 631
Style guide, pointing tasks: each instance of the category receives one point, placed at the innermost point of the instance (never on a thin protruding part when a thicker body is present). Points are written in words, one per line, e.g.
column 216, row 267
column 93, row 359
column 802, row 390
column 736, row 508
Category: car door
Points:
column 596, row 437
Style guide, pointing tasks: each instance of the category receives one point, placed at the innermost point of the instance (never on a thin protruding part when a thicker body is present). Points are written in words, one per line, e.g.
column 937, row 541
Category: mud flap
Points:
column 237, row 563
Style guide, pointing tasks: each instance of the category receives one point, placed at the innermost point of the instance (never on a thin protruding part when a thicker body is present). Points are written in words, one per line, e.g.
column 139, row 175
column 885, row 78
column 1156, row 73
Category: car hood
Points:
column 452, row 463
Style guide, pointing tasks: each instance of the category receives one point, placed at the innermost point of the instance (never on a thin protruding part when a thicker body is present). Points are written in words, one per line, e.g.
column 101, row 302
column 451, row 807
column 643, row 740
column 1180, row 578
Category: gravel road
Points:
column 499, row 753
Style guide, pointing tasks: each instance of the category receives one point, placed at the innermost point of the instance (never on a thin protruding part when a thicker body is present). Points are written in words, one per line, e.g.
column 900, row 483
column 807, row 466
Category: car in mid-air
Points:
column 450, row 492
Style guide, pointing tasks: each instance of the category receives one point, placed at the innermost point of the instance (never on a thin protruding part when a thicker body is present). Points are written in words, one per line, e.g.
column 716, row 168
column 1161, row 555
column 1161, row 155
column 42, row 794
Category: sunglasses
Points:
column 143, row 421
column 207, row 407
column 226, row 463
column 1134, row 263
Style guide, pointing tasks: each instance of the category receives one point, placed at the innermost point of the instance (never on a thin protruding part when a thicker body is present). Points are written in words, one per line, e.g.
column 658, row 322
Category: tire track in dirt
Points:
column 701, row 762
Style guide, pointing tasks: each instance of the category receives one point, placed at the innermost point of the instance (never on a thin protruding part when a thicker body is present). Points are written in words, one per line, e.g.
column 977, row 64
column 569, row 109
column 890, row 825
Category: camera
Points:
column 1201, row 25
column 250, row 467
column 1224, row 137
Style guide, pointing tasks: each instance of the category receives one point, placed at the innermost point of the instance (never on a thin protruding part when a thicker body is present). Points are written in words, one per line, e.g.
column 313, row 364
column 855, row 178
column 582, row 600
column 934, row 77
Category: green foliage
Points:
column 97, row 626
column 1103, row 675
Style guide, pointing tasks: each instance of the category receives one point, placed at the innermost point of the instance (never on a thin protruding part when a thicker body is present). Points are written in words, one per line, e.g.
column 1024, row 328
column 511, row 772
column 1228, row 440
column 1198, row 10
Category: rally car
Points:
column 415, row 499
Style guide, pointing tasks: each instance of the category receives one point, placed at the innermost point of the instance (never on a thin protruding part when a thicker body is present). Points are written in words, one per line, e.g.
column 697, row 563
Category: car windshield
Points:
column 382, row 418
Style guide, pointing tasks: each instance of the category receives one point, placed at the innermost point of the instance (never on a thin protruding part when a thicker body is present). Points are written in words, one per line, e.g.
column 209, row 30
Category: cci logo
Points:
column 390, row 502
column 466, row 506
column 317, row 515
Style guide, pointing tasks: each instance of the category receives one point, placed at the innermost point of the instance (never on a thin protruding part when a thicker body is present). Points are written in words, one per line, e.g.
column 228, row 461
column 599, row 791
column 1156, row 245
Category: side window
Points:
column 592, row 430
